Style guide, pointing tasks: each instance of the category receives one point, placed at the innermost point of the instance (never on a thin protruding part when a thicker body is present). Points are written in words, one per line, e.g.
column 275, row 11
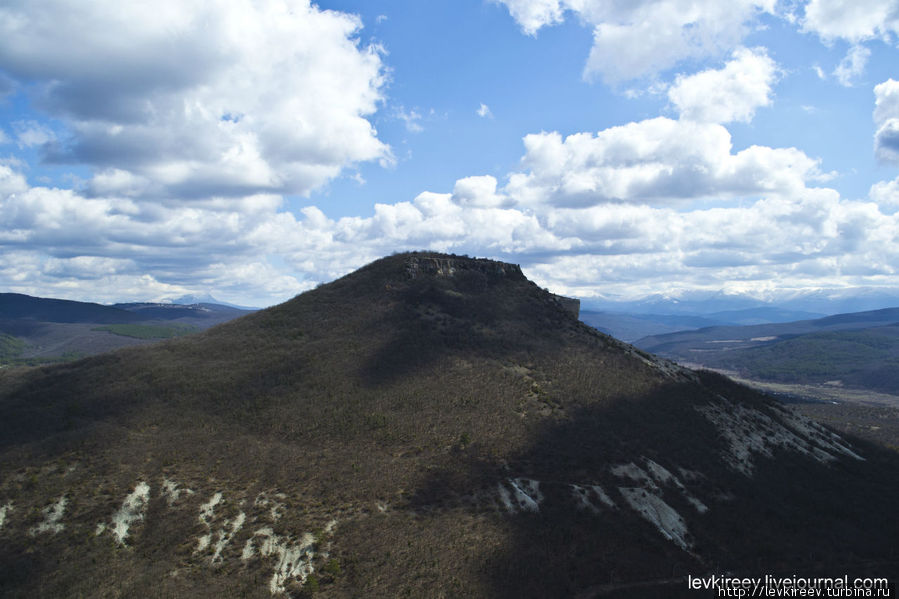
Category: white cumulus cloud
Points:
column 852, row 65
column 732, row 93
column 478, row 191
column 31, row 133
column 532, row 15
column 886, row 118
column 854, row 21
column 633, row 39
column 658, row 160
column 886, row 193
column 411, row 118
column 200, row 96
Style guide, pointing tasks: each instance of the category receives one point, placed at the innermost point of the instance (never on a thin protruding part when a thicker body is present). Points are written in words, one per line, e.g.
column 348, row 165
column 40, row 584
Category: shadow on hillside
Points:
column 794, row 516
column 58, row 402
column 470, row 314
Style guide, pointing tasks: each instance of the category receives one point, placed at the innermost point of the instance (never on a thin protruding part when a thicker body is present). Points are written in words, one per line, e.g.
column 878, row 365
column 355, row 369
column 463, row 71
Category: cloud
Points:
column 478, row 192
column 484, row 111
column 852, row 21
column 117, row 182
column 634, row 39
column 11, row 181
column 886, row 118
column 786, row 242
column 888, row 141
column 658, row 161
column 852, row 65
column 410, row 118
column 114, row 248
column 6, row 86
column 811, row 240
column 732, row 93
column 886, row 193
column 768, row 227
column 201, row 122
column 30, row 134
column 193, row 89
column 532, row 15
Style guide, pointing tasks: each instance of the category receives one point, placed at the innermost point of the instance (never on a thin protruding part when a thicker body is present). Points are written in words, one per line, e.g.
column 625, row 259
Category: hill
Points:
column 858, row 350
column 53, row 330
column 426, row 426
column 18, row 306
column 704, row 303
column 631, row 327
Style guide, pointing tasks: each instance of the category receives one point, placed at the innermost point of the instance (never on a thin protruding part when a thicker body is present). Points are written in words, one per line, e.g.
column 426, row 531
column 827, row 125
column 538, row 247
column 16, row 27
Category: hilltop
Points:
column 429, row 425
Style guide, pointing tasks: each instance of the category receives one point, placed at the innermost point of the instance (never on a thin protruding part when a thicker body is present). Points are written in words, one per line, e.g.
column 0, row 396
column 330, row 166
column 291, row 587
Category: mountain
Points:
column 207, row 298
column 16, row 306
column 427, row 426
column 703, row 303
column 631, row 327
column 200, row 314
column 45, row 329
column 763, row 315
column 858, row 350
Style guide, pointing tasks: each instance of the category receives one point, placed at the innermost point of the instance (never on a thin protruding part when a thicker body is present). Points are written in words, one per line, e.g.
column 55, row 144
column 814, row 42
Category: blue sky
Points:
column 614, row 149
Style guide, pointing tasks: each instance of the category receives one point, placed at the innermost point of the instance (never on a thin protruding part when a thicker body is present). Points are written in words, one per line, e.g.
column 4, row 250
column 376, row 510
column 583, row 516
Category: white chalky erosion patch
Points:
column 750, row 431
column 635, row 473
column 52, row 516
column 525, row 495
column 294, row 559
column 225, row 534
column 653, row 509
column 647, row 500
column 660, row 473
column 275, row 508
column 4, row 510
column 664, row 476
column 817, row 433
column 689, row 475
column 587, row 495
column 207, row 511
column 172, row 492
column 132, row 510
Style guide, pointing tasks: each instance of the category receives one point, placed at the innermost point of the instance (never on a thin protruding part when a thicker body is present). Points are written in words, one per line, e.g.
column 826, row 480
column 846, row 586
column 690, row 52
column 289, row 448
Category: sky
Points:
column 615, row 149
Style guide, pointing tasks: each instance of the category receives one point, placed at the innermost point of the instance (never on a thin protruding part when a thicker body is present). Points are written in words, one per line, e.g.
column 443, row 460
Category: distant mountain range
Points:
column 859, row 350
column 37, row 330
column 206, row 298
column 632, row 326
column 699, row 303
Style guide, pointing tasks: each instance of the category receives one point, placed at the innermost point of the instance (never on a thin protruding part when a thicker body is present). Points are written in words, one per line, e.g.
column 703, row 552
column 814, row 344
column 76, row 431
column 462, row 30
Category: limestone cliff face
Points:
column 441, row 265
column 571, row 304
